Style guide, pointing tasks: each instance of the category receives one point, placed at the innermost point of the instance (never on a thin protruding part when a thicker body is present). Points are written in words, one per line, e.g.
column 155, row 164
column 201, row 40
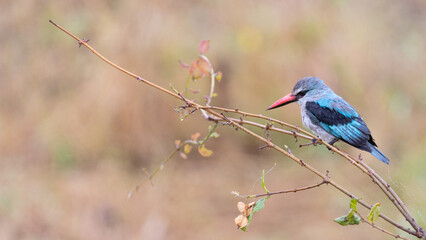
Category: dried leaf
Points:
column 204, row 46
column 249, row 208
column 204, row 151
column 187, row 148
column 241, row 207
column 183, row 155
column 241, row 221
column 252, row 208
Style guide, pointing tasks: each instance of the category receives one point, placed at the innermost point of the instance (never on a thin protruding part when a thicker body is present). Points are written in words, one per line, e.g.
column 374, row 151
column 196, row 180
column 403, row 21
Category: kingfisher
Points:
column 329, row 116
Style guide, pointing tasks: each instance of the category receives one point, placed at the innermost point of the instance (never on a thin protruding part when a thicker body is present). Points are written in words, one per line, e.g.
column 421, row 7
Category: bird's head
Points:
column 303, row 87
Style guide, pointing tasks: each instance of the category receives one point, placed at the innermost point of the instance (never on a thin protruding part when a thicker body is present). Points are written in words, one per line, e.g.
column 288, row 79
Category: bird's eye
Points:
column 301, row 93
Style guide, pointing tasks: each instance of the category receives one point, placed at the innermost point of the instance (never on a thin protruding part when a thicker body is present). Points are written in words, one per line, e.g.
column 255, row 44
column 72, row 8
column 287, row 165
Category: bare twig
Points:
column 381, row 229
column 283, row 191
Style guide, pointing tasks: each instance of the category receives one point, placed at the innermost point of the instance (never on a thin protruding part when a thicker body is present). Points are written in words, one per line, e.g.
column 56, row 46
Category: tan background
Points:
column 75, row 133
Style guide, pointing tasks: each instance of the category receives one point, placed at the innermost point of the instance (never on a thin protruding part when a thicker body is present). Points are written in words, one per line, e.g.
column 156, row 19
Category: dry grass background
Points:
column 75, row 133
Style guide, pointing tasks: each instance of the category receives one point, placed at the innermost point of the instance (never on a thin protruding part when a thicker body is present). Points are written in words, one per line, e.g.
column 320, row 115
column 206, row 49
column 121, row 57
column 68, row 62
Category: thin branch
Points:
column 212, row 81
column 158, row 169
column 381, row 229
column 260, row 116
column 264, row 126
column 283, row 191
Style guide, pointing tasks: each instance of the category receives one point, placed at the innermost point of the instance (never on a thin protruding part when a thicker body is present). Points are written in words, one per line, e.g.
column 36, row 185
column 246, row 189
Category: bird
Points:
column 329, row 116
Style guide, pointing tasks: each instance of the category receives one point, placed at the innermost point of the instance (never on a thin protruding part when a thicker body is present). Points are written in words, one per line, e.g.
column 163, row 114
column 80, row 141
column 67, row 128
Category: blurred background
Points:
column 75, row 133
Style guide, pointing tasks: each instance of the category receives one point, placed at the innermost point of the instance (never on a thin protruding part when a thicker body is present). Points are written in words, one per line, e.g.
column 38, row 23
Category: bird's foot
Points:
column 331, row 143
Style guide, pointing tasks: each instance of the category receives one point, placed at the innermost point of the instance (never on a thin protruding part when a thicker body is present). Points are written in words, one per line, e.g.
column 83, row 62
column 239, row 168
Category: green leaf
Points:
column 354, row 202
column 187, row 148
column 349, row 219
column 374, row 213
column 218, row 76
column 256, row 208
column 263, row 181
column 343, row 220
column 259, row 205
column 214, row 135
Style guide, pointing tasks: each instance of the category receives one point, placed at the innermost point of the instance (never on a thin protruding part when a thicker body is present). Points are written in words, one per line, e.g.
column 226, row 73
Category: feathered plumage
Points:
column 329, row 116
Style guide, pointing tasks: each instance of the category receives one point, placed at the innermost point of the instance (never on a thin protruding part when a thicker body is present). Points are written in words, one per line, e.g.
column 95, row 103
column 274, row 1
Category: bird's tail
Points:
column 379, row 155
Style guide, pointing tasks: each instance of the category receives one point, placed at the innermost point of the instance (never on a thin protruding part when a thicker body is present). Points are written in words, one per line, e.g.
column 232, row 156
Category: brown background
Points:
column 75, row 133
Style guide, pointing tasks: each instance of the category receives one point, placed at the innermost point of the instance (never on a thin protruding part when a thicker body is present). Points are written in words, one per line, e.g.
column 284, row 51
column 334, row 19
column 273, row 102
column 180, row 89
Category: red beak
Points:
column 283, row 101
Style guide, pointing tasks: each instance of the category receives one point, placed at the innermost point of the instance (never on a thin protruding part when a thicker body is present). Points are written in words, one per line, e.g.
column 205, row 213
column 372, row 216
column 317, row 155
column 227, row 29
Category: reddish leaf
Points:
column 194, row 90
column 182, row 64
column 199, row 68
column 204, row 46
column 204, row 65
column 194, row 70
column 195, row 136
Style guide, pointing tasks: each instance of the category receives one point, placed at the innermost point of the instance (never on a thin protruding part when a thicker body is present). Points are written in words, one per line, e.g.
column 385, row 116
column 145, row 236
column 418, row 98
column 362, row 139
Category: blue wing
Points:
column 340, row 119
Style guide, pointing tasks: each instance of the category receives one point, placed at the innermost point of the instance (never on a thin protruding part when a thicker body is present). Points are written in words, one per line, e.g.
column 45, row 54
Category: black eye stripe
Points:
column 301, row 93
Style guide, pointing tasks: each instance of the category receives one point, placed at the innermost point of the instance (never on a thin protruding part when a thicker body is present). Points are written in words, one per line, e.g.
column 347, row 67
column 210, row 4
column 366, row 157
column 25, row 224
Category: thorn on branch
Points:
column 288, row 150
column 225, row 118
column 184, row 99
column 193, row 110
column 264, row 146
column 148, row 176
column 294, row 135
column 314, row 142
column 328, row 177
column 81, row 42
column 140, row 79
column 229, row 121
column 302, row 163
column 267, row 128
